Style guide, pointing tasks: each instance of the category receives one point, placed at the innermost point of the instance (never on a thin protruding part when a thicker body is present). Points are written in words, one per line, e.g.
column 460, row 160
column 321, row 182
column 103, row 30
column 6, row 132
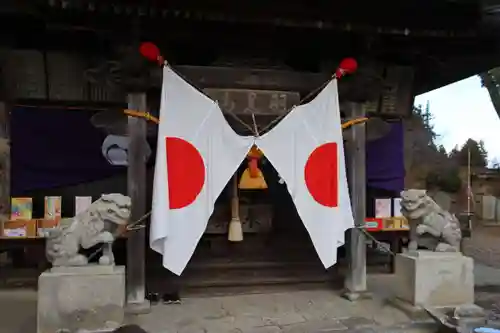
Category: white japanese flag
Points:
column 306, row 149
column 197, row 154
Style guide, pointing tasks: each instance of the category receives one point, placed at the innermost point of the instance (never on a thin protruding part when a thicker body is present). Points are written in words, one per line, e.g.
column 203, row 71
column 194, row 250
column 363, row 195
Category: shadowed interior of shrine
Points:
column 276, row 248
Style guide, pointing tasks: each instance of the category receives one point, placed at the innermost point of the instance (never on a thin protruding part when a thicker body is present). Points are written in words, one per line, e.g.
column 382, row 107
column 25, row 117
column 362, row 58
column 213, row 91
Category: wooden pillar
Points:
column 355, row 281
column 136, row 187
column 4, row 162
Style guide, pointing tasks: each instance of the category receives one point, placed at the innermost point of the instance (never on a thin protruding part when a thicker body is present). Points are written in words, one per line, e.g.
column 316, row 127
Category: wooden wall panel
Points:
column 397, row 95
column 24, row 74
column 66, row 77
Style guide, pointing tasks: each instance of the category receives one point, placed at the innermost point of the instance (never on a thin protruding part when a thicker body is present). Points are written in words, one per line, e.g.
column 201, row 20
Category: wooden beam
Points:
column 453, row 70
column 360, row 87
column 299, row 14
column 245, row 78
column 355, row 282
column 136, row 184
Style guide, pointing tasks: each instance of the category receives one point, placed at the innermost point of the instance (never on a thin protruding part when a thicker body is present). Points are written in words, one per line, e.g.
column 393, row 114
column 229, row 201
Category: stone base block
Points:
column 88, row 298
column 434, row 279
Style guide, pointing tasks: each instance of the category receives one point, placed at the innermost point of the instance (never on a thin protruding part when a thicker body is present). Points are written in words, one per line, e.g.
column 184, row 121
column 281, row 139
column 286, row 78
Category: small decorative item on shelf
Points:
column 18, row 229
column 21, row 209
column 52, row 208
column 45, row 225
column 373, row 224
column 396, row 223
column 383, row 208
column 82, row 204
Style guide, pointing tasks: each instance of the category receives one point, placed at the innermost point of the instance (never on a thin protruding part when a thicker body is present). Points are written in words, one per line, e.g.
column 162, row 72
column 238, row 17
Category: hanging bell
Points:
column 253, row 178
column 249, row 182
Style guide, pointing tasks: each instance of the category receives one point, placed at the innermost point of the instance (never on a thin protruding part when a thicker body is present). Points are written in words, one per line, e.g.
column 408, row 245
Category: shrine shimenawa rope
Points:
column 134, row 113
column 135, row 225
column 255, row 130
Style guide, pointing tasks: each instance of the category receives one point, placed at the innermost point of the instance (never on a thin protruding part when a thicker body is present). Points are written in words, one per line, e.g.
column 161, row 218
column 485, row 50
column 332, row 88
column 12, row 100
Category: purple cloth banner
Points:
column 385, row 168
column 55, row 148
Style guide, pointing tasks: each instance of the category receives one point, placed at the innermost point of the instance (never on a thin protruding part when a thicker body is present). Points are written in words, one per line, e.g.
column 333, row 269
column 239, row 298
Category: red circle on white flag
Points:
column 186, row 172
column 321, row 174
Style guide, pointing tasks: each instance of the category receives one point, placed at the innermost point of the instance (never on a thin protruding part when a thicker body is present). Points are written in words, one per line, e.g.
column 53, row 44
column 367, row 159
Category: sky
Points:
column 463, row 110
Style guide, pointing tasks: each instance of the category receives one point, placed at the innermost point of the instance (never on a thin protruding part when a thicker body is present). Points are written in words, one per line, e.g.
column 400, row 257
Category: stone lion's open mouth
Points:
column 410, row 205
column 414, row 208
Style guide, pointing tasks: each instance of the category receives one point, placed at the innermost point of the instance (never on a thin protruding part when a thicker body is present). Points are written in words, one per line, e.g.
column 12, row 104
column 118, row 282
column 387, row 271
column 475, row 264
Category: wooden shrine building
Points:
column 263, row 55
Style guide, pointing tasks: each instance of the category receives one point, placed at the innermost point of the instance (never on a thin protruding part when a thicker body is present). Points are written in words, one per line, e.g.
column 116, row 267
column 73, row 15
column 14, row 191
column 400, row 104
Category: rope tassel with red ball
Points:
column 151, row 52
column 346, row 66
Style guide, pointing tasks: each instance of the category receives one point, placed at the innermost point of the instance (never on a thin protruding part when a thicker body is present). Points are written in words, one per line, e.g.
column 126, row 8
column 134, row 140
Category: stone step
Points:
column 196, row 281
column 214, row 291
column 251, row 265
column 223, row 274
column 261, row 279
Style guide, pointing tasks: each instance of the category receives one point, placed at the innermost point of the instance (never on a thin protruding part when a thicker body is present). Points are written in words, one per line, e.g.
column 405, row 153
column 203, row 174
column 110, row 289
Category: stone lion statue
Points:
column 98, row 224
column 430, row 226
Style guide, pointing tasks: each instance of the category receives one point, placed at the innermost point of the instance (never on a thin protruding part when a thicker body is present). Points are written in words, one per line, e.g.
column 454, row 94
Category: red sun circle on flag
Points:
column 321, row 174
column 186, row 172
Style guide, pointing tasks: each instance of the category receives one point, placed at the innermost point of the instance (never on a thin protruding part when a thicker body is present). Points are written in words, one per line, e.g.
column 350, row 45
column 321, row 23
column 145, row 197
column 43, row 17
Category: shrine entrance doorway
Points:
column 276, row 249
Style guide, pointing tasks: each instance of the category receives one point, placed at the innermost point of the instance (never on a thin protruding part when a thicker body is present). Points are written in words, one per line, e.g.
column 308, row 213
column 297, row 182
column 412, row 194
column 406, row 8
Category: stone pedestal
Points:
column 434, row 279
column 89, row 298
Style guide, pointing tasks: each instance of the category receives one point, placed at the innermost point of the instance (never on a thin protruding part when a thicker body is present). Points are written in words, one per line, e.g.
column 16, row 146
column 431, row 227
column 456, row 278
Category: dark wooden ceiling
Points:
column 396, row 13
column 444, row 40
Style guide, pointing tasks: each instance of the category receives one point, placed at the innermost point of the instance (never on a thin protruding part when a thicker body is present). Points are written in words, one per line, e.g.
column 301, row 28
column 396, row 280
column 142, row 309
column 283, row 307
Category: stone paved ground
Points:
column 17, row 311
column 310, row 311
column 292, row 312
column 321, row 311
column 484, row 246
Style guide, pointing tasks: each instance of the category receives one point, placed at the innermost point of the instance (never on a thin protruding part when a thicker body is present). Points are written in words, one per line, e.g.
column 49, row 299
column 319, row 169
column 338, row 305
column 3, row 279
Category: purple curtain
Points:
column 385, row 167
column 56, row 147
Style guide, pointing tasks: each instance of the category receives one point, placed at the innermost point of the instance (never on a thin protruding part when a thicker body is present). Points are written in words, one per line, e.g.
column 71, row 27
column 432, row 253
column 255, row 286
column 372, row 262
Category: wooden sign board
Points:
column 257, row 102
column 395, row 99
column 397, row 91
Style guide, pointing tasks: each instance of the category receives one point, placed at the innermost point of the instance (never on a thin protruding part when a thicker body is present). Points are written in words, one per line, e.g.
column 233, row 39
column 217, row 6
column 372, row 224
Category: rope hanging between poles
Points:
column 347, row 66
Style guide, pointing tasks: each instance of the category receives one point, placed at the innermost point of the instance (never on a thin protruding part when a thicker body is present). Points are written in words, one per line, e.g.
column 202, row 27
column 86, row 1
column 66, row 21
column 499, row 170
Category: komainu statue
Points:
column 99, row 224
column 430, row 226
